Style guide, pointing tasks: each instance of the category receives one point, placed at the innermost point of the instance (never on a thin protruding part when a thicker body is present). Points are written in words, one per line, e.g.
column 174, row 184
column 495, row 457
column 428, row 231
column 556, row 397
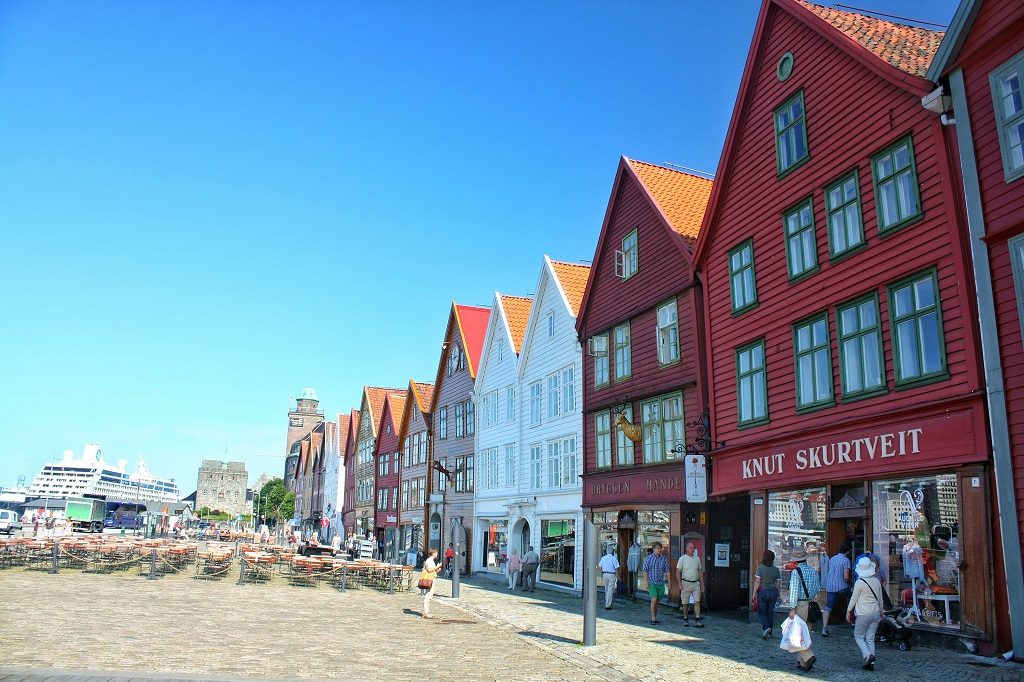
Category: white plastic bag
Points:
column 796, row 636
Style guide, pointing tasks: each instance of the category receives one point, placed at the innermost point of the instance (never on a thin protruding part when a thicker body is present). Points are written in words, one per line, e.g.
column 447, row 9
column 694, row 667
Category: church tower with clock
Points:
column 301, row 421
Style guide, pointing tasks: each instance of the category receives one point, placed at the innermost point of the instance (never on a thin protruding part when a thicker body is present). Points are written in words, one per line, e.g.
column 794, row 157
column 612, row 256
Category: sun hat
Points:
column 799, row 554
column 865, row 567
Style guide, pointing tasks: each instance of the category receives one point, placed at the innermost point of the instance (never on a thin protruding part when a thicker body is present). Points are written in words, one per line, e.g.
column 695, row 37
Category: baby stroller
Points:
column 893, row 628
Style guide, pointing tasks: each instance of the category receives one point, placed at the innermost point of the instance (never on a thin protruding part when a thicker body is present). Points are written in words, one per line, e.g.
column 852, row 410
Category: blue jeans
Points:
column 766, row 599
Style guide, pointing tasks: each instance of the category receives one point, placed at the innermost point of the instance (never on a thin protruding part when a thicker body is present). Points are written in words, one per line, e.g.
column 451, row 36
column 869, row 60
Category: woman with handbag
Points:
column 766, row 592
column 866, row 607
column 428, row 579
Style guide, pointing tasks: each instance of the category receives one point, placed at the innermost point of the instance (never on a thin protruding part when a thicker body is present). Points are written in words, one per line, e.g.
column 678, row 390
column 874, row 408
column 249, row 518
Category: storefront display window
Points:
column 653, row 526
column 796, row 523
column 495, row 539
column 558, row 550
column 916, row 537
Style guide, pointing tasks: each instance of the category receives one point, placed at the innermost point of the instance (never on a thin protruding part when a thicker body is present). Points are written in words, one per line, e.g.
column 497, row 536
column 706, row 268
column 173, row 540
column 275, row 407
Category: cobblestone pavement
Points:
column 73, row 626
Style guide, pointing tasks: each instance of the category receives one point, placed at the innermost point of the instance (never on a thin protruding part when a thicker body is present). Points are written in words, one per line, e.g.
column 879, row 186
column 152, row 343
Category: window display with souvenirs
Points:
column 916, row 536
column 796, row 527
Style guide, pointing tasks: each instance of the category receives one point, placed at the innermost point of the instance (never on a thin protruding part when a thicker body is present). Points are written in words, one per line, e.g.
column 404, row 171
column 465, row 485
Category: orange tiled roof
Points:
column 682, row 197
column 908, row 48
column 573, row 278
column 343, row 426
column 426, row 395
column 517, row 312
column 397, row 409
column 375, row 399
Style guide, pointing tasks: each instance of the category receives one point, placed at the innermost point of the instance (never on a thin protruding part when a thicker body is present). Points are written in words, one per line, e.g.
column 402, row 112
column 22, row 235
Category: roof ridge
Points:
column 565, row 262
column 866, row 14
column 670, row 168
column 524, row 298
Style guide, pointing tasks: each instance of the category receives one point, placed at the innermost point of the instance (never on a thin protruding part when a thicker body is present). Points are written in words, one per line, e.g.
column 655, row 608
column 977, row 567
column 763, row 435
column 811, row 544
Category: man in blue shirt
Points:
column 837, row 583
column 656, row 569
column 804, row 585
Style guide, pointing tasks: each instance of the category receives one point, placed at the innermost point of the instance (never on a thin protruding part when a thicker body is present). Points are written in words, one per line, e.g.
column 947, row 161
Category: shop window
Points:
column 813, row 363
column 1008, row 98
column 791, row 134
column 662, row 428
column 862, row 366
column 603, row 439
column 801, row 245
column 918, row 347
column 742, row 283
column 651, row 527
column 796, row 522
column 751, row 385
column 557, row 550
column 896, row 192
column 495, row 541
column 845, row 223
column 917, row 539
column 624, row 447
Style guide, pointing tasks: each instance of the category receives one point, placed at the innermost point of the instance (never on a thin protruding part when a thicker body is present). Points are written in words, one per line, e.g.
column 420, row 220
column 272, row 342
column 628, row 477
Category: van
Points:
column 9, row 521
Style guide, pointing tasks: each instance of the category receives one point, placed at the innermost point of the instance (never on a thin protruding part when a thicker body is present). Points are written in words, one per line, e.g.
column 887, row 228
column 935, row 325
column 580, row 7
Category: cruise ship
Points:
column 91, row 475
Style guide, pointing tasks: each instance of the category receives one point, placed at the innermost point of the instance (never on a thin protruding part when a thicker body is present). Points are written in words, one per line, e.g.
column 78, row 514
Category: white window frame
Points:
column 510, row 465
column 627, row 260
column 661, row 434
column 510, row 403
column 536, row 466
column 551, row 325
column 603, row 439
column 554, row 389
column 569, row 463
column 554, row 464
column 668, row 333
column 568, row 397
column 536, row 403
column 625, row 449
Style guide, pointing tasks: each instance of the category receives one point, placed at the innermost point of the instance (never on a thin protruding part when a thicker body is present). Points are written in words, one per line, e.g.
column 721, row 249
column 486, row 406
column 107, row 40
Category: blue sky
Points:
column 207, row 206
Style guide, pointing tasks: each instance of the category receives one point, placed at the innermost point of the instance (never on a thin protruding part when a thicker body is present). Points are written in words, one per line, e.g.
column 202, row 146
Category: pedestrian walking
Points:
column 796, row 638
column 428, row 581
column 609, row 566
column 837, row 584
column 515, row 568
column 865, row 610
column 656, row 569
column 691, row 583
column 804, row 585
column 449, row 555
column 530, row 563
column 766, row 592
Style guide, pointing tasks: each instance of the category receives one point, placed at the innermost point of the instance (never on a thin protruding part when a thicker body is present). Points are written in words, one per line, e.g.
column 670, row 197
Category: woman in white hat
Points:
column 866, row 605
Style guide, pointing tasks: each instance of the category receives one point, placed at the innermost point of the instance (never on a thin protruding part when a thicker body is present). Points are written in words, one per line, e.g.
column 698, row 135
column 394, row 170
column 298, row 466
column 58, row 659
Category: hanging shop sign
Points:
column 696, row 473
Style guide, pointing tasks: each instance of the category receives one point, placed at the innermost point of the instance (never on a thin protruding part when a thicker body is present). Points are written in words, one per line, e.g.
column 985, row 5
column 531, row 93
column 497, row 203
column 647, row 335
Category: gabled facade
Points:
column 334, row 482
column 845, row 382
column 348, row 458
column 545, row 512
column 641, row 325
column 980, row 64
column 414, row 436
column 453, row 416
column 387, row 462
column 496, row 394
column 370, row 411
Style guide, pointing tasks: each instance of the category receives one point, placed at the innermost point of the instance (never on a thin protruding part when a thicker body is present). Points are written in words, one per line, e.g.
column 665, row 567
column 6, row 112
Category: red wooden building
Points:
column 980, row 68
column 846, row 387
column 386, row 456
column 640, row 325
column 348, row 453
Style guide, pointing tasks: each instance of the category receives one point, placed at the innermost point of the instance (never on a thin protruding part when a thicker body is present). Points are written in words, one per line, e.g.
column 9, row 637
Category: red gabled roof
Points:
column 353, row 431
column 517, row 313
column 908, row 48
column 472, row 321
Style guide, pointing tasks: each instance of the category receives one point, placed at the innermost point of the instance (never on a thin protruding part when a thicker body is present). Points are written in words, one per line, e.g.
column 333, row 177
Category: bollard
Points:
column 590, row 559
column 344, row 577
column 241, row 570
column 457, row 563
column 391, row 579
column 152, row 565
column 56, row 555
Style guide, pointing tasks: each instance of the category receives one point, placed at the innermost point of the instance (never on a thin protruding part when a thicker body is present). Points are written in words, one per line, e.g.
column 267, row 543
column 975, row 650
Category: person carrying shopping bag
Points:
column 796, row 638
column 428, row 581
column 865, row 609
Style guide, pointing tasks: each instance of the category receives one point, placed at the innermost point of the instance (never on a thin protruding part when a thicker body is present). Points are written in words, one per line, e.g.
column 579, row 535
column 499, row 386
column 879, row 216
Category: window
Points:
column 668, row 333
column 603, row 439
column 623, row 353
column 796, row 522
column 471, row 417
column 485, row 412
column 405, row 494
column 551, row 325
column 535, row 398
column 460, row 474
column 568, row 390
column 510, row 465
column 384, row 464
column 394, row 497
column 624, row 447
column 752, row 391
column 462, row 359
column 627, row 260
column 662, row 428
column 536, row 467
column 1009, row 107
column 453, row 360
column 845, row 226
column 918, row 348
column 862, row 367
column 790, row 134
column 407, row 449
column 382, row 499
column 440, row 480
column 558, row 558
column 801, row 247
column 460, row 422
column 1016, row 246
column 813, row 363
column 442, row 422
column 895, row 179
column 741, row 277
column 489, row 468
column 501, row 350
column 599, row 349
column 469, row 473
column 562, row 463
column 553, row 386
column 510, row 403
column 569, row 462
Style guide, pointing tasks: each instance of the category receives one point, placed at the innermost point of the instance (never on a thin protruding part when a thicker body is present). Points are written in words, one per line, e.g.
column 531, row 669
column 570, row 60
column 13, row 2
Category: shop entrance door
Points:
column 524, row 538
column 728, row 551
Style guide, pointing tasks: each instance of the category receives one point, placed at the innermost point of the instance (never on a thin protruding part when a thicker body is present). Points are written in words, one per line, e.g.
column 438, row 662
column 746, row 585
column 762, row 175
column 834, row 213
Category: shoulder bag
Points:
column 813, row 610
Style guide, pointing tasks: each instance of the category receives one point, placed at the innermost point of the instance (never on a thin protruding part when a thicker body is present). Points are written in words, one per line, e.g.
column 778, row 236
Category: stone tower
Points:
column 301, row 421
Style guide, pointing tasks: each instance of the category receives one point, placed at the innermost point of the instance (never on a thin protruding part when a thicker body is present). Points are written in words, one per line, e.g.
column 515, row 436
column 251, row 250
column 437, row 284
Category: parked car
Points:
column 9, row 521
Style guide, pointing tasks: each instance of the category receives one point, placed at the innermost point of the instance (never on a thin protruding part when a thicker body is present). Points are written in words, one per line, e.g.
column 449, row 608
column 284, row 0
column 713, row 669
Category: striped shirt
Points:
column 835, row 576
column 796, row 588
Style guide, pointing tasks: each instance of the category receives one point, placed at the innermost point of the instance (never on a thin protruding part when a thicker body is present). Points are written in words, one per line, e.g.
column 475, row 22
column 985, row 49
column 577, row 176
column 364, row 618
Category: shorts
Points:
column 832, row 597
column 657, row 591
column 687, row 589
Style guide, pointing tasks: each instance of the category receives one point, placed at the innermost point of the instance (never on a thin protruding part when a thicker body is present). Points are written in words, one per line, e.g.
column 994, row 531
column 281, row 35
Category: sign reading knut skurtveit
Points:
column 873, row 450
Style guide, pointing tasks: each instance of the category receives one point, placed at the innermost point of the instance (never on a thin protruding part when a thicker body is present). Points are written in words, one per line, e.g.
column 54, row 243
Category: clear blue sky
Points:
column 206, row 206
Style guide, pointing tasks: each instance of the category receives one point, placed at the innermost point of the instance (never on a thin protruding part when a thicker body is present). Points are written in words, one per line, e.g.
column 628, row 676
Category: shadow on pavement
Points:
column 547, row 636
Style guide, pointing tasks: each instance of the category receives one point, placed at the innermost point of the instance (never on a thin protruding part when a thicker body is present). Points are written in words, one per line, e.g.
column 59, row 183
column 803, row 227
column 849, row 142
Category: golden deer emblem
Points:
column 632, row 431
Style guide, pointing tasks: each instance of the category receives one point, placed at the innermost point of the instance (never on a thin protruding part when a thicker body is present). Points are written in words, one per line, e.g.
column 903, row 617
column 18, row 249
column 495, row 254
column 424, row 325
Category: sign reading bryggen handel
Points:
column 866, row 452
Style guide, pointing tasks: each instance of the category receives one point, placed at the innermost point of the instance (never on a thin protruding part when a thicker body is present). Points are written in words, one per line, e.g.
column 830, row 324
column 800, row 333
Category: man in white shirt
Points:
column 691, row 581
column 609, row 566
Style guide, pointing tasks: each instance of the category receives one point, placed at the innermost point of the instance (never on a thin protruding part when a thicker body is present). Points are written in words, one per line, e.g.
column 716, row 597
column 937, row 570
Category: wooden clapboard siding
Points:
column 387, row 446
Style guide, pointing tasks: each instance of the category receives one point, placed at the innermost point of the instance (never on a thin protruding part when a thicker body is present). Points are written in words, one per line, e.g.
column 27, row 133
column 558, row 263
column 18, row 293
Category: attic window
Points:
column 785, row 68
column 627, row 260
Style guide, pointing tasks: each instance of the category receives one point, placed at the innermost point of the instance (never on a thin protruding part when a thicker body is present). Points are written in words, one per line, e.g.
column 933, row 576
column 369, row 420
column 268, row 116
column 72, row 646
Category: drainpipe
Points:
column 995, row 392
